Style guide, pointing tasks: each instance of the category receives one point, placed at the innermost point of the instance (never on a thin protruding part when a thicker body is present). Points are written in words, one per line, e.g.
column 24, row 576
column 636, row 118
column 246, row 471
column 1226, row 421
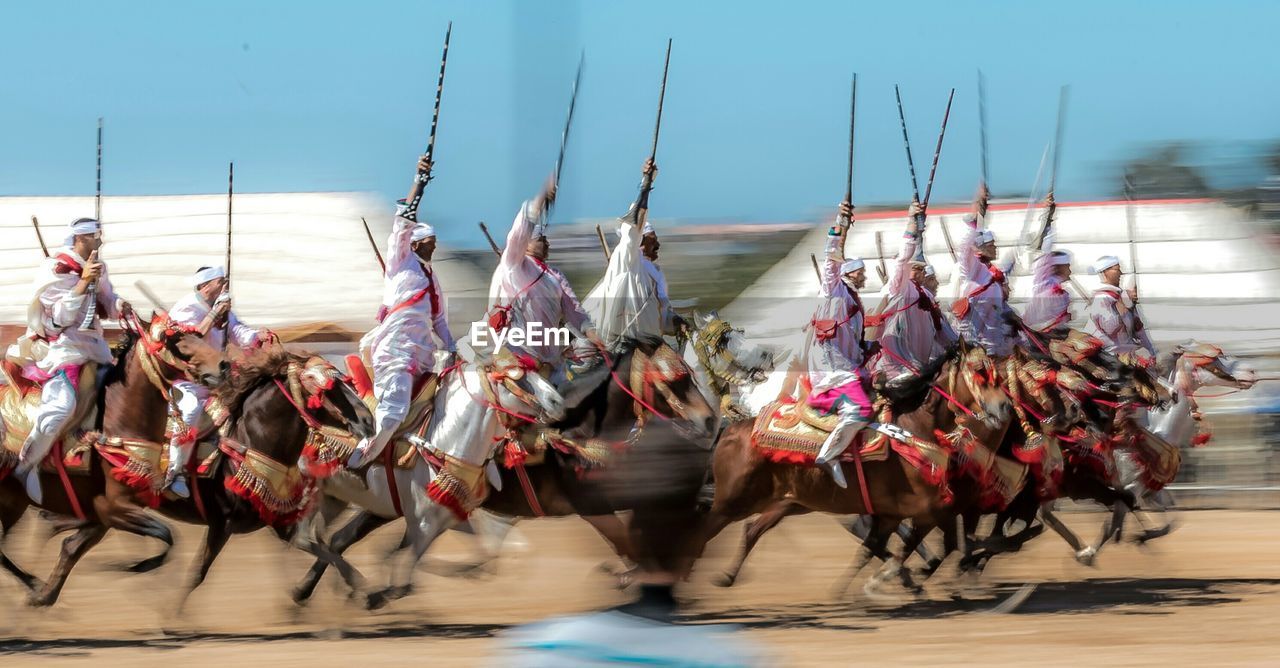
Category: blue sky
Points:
column 337, row 96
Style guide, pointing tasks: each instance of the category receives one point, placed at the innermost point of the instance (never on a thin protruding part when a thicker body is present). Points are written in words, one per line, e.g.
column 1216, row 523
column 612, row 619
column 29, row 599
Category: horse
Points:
column 747, row 482
column 727, row 365
column 603, row 412
column 132, row 405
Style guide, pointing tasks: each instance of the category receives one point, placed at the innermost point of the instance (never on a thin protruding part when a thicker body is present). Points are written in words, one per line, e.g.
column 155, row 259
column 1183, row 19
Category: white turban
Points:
column 984, row 237
column 421, row 231
column 539, row 230
column 928, row 270
column 1059, row 258
column 207, row 274
column 1104, row 263
column 648, row 229
column 852, row 264
column 81, row 226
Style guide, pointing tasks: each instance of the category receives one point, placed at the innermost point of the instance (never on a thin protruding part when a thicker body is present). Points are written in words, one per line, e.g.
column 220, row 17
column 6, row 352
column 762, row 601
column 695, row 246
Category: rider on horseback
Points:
column 837, row 349
column 1113, row 313
column 401, row 347
column 980, row 310
column 66, row 319
column 526, row 290
column 1049, row 311
column 208, row 309
column 631, row 301
column 914, row 329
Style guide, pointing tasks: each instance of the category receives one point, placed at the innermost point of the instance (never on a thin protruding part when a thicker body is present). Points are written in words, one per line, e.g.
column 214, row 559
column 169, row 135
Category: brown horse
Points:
column 260, row 414
column 602, row 404
column 130, row 406
column 747, row 482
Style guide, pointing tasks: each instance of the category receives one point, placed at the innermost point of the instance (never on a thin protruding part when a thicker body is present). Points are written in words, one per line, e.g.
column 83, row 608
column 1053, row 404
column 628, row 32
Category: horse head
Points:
column 1207, row 365
column 517, row 387
column 980, row 387
column 725, row 355
column 181, row 351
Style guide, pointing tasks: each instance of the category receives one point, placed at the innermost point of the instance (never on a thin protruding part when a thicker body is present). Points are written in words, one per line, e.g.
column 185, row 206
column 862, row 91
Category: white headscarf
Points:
column 207, row 274
column 421, row 231
column 852, row 264
column 1104, row 263
column 81, row 226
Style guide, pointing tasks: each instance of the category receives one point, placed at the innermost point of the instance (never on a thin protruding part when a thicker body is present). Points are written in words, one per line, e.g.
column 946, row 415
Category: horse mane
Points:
column 909, row 394
column 254, row 370
column 120, row 349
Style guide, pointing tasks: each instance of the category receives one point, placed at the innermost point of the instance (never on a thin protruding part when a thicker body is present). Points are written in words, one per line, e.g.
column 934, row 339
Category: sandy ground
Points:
column 1207, row 594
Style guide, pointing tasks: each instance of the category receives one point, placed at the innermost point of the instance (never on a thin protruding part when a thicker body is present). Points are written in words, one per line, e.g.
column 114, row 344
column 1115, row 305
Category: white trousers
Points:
column 393, row 389
column 849, row 424
column 191, row 403
column 57, row 405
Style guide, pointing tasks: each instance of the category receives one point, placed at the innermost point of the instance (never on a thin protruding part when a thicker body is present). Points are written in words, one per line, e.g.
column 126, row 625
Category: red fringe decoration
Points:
column 513, row 455
column 1201, row 439
column 140, row 483
column 268, row 515
column 448, row 500
column 320, row 467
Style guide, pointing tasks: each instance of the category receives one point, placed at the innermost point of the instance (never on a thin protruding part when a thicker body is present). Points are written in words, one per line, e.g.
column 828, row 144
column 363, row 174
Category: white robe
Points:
column 630, row 301
column 56, row 312
column 535, row 291
column 192, row 309
column 1050, row 304
column 403, row 341
column 835, row 362
column 909, row 331
column 1107, row 323
column 984, row 324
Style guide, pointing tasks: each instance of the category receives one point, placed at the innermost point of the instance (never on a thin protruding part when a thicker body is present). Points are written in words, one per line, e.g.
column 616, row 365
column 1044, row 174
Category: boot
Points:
column 175, row 482
column 30, row 474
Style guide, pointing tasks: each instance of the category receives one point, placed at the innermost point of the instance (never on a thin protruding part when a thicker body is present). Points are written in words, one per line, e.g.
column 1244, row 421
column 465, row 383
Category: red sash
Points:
column 500, row 316
column 414, row 299
column 825, row 330
column 961, row 306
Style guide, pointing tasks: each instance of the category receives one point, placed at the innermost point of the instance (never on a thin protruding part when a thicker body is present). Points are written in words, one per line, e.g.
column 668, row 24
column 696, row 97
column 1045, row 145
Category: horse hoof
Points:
column 300, row 595
column 724, row 580
column 39, row 601
column 376, row 600
column 1086, row 556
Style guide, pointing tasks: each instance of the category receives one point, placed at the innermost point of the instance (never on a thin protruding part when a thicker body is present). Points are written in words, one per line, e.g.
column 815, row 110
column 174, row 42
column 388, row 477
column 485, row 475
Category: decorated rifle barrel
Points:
column 911, row 165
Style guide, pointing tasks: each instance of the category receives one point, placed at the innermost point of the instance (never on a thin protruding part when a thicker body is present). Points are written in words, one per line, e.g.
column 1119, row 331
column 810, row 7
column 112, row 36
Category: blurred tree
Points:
column 1165, row 172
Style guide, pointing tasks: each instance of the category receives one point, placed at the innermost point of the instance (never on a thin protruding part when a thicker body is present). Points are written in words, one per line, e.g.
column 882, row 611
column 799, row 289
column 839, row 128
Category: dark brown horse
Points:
column 261, row 415
column 129, row 406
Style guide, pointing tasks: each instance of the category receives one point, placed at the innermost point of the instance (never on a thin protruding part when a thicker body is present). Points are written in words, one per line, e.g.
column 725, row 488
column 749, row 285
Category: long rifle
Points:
column 1038, row 242
column 848, row 182
column 91, row 311
column 568, row 121
column 39, row 237
column 604, row 245
column 814, row 259
column 374, row 244
column 982, row 127
column 911, row 165
column 231, row 177
column 412, row 211
column 646, row 186
column 492, row 244
column 881, row 270
column 937, row 150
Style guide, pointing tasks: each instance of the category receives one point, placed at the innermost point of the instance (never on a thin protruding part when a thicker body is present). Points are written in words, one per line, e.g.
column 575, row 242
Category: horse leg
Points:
column 614, row 531
column 122, row 513
column 429, row 519
column 73, row 547
column 215, row 538
column 354, row 531
column 317, row 548
column 9, row 516
column 1083, row 553
column 895, row 565
column 751, row 533
column 872, row 546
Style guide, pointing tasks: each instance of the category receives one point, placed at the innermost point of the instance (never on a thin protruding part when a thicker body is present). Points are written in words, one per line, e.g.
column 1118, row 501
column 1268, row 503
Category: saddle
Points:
column 20, row 397
column 416, row 420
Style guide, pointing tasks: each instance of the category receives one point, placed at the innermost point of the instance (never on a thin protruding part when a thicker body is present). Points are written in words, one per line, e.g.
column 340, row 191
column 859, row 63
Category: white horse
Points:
column 465, row 426
column 726, row 363
column 1187, row 368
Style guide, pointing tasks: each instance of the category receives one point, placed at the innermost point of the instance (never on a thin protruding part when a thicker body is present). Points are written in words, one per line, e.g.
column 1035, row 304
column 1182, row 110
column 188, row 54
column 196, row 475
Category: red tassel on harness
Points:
column 1200, row 439
column 526, row 362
